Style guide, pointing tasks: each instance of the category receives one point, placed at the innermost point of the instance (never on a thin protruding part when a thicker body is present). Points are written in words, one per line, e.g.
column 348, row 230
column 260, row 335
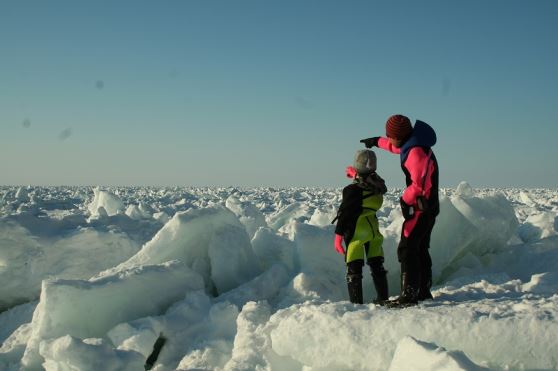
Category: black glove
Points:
column 406, row 209
column 370, row 142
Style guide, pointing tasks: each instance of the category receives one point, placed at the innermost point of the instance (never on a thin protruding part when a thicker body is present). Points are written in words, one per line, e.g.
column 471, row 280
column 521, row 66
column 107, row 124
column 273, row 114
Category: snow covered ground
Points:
column 247, row 279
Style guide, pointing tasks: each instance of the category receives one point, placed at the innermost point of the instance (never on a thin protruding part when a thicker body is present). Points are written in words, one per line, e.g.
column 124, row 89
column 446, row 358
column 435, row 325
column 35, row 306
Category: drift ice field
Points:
column 248, row 279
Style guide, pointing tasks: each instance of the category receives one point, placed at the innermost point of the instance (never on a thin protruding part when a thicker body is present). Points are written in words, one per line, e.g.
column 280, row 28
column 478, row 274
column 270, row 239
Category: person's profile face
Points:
column 397, row 143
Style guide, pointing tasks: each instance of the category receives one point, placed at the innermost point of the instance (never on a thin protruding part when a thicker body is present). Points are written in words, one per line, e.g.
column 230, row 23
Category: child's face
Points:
column 397, row 143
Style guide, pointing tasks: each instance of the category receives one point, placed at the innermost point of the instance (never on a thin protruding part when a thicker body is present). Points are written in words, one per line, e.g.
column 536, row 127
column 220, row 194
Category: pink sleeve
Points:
column 384, row 143
column 416, row 165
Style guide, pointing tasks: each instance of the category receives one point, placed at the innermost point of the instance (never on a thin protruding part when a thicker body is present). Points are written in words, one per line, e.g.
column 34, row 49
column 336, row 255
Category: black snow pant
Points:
column 413, row 254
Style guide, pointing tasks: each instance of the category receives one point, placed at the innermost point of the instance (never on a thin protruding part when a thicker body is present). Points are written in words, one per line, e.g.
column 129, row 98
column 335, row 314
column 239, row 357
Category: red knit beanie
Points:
column 398, row 127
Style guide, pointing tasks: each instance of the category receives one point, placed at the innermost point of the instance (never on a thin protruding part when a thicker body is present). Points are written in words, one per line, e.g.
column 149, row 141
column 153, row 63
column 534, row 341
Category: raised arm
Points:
column 384, row 144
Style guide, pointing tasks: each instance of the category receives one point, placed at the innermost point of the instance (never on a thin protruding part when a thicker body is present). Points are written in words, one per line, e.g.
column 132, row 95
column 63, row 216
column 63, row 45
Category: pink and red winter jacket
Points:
column 416, row 165
column 420, row 166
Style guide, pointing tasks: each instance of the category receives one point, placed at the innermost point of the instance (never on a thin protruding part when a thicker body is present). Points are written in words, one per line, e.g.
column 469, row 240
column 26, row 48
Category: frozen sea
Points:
column 248, row 279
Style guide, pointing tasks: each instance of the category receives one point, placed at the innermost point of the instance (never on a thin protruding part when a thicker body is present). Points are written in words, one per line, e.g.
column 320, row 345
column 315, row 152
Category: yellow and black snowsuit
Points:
column 358, row 224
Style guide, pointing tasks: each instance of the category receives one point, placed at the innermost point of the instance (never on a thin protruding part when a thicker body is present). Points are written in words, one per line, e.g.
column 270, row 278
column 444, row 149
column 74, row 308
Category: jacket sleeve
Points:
column 416, row 165
column 349, row 210
column 384, row 144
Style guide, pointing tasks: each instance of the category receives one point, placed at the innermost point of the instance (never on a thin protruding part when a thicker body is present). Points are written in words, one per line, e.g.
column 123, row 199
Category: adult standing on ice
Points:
column 419, row 202
column 357, row 226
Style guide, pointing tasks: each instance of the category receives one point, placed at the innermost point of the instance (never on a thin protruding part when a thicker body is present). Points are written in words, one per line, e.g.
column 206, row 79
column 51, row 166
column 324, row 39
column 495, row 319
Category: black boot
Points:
column 381, row 285
column 425, row 262
column 354, row 283
column 425, row 285
column 379, row 276
column 409, row 292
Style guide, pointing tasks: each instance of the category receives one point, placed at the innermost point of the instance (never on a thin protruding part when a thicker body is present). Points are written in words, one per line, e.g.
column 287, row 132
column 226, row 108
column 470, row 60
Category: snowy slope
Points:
column 247, row 279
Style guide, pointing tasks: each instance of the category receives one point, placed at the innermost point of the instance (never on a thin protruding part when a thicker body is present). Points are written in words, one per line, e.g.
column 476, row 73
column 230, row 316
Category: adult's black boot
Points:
column 409, row 292
column 425, row 285
column 354, row 284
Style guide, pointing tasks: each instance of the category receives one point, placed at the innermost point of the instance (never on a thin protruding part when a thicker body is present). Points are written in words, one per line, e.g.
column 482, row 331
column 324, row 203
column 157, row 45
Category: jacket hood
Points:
column 423, row 136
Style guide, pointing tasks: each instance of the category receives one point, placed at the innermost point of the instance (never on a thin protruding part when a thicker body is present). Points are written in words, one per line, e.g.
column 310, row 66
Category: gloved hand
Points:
column 406, row 209
column 370, row 142
column 339, row 244
column 350, row 172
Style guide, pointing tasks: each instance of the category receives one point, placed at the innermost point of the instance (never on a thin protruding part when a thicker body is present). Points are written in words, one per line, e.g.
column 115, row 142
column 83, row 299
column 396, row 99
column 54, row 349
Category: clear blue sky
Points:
column 273, row 93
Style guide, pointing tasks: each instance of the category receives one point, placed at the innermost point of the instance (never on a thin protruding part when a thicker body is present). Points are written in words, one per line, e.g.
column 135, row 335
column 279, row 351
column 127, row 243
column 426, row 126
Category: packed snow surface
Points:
column 247, row 279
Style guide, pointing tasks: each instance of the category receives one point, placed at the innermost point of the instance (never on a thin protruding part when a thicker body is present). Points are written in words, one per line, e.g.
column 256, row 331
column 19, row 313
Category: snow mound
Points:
column 199, row 333
column 412, row 354
column 91, row 308
column 22, row 195
column 13, row 348
column 323, row 216
column 23, row 269
column 492, row 215
column 139, row 212
column 321, row 271
column 249, row 215
column 495, row 302
column 17, row 265
column 210, row 241
column 271, row 248
column 311, row 334
column 109, row 203
column 295, row 211
column 138, row 335
column 13, row 318
column 473, row 226
column 543, row 283
column 526, row 199
column 69, row 353
column 249, row 341
column 464, row 190
column 264, row 287
column 537, row 226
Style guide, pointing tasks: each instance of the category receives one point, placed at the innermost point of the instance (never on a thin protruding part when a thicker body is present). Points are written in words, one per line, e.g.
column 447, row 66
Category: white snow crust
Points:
column 247, row 279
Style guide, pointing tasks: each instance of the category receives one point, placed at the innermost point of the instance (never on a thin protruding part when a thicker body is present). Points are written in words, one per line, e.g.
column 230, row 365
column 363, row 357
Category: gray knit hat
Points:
column 365, row 161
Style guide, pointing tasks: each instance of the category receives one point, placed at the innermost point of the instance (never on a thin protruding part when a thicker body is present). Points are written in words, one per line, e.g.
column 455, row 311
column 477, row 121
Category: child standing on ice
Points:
column 357, row 226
